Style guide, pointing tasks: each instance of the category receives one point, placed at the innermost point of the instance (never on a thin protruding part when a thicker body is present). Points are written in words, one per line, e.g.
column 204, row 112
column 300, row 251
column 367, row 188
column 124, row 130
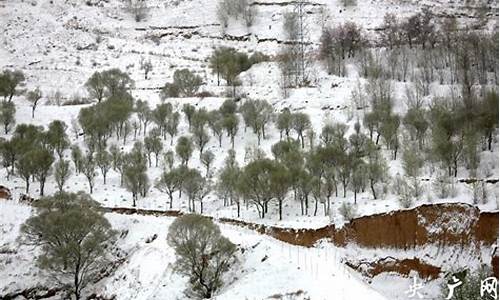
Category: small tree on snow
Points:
column 62, row 172
column 348, row 211
column 207, row 158
column 77, row 246
column 34, row 97
column 147, row 67
column 203, row 254
column 170, row 182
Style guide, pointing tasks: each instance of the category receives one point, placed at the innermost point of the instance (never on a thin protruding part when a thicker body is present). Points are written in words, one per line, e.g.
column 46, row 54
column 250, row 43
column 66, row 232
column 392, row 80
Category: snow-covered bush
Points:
column 398, row 184
column 444, row 186
column 348, row 211
column 405, row 191
column 405, row 199
column 348, row 3
column 185, row 84
column 138, row 9
column 479, row 192
column 235, row 9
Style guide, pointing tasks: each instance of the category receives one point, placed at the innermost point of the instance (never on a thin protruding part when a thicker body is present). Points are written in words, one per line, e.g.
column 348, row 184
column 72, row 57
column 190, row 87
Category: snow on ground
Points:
column 17, row 268
column 267, row 267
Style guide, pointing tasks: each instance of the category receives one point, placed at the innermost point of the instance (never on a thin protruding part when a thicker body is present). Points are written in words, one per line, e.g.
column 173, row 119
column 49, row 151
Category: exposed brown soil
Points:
column 300, row 237
column 390, row 264
column 439, row 224
column 486, row 228
column 143, row 212
column 5, row 193
column 442, row 224
column 494, row 265
column 257, row 3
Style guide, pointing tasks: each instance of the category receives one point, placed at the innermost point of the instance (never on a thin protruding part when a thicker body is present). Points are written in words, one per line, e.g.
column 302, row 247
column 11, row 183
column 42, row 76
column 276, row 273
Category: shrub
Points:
column 204, row 94
column 444, row 186
column 348, row 211
column 185, row 84
column 405, row 199
column 138, row 9
column 236, row 9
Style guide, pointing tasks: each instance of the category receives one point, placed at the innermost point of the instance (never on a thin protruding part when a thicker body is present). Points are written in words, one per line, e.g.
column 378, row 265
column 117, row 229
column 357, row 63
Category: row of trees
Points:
column 448, row 54
column 228, row 63
column 118, row 115
column 227, row 9
column 11, row 83
column 354, row 163
column 324, row 170
column 31, row 152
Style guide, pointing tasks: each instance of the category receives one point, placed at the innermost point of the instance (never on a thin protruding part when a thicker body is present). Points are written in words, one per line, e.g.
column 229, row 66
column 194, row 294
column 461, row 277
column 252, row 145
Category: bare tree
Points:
column 138, row 9
column 146, row 66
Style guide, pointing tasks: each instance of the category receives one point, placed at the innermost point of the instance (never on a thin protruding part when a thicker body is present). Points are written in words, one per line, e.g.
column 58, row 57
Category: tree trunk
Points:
column 490, row 140
column 280, row 208
column 315, row 206
column 306, row 199
column 302, row 205
column 372, row 186
column 76, row 282
column 91, row 188
column 42, row 187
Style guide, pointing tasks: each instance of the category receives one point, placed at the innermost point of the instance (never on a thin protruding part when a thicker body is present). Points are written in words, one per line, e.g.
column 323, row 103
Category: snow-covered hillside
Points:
column 59, row 44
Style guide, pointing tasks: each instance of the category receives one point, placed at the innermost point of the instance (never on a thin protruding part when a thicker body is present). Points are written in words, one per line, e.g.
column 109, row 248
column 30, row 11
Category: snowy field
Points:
column 265, row 267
